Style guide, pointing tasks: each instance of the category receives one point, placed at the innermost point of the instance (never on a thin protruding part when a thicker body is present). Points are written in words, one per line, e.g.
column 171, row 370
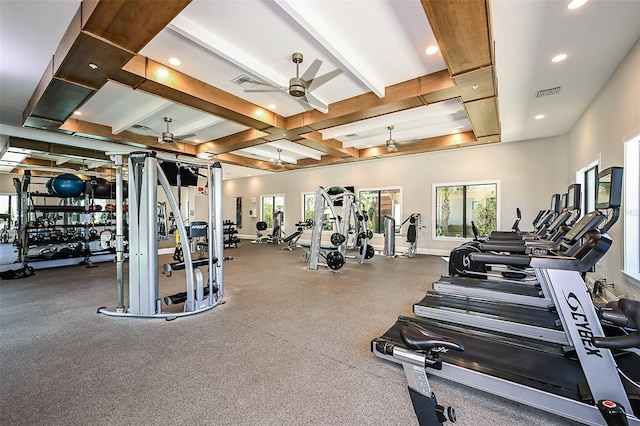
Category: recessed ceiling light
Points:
column 369, row 146
column 475, row 87
column 175, row 61
column 574, row 4
column 559, row 57
column 271, row 106
column 196, row 140
column 93, row 66
column 431, row 50
column 539, row 117
column 77, row 113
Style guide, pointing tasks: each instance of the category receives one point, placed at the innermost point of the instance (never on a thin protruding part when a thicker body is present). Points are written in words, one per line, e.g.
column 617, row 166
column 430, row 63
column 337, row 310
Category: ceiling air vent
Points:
column 245, row 81
column 548, row 92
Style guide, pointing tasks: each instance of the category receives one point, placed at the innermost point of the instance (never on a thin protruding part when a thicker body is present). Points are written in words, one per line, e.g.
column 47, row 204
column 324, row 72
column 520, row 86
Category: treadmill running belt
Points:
column 540, row 370
column 503, row 311
column 505, row 287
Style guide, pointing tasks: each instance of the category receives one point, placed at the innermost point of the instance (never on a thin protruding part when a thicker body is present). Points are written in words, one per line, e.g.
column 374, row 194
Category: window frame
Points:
column 273, row 196
column 434, row 202
column 380, row 189
column 631, row 213
column 581, row 175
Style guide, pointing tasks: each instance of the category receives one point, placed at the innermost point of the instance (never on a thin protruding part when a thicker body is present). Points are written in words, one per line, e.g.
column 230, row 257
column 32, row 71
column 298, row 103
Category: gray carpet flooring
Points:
column 290, row 347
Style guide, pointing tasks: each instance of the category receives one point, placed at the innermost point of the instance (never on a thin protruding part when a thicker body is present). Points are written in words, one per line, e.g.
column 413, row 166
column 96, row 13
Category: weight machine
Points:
column 145, row 174
column 336, row 253
column 412, row 235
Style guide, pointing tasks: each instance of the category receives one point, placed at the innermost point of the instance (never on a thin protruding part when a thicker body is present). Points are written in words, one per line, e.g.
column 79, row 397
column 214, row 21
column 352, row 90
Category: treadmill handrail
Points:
column 631, row 309
column 590, row 251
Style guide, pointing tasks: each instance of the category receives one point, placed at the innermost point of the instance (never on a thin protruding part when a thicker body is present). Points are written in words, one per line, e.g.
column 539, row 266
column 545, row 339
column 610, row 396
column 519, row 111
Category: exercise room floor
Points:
column 290, row 347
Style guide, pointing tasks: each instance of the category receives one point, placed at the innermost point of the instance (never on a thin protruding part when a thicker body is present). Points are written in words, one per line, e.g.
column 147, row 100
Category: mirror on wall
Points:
column 239, row 212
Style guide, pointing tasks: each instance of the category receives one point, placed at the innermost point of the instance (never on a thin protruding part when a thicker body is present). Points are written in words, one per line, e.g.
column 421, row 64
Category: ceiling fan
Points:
column 278, row 162
column 391, row 143
column 164, row 137
column 300, row 86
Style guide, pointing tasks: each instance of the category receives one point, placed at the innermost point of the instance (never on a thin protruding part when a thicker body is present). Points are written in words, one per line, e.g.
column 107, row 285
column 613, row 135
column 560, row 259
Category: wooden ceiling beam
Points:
column 178, row 87
column 462, row 29
column 100, row 132
column 329, row 146
column 425, row 145
column 245, row 139
column 483, row 115
column 78, row 167
column 239, row 160
column 433, row 88
column 106, row 33
column 52, row 148
column 130, row 24
column 326, row 160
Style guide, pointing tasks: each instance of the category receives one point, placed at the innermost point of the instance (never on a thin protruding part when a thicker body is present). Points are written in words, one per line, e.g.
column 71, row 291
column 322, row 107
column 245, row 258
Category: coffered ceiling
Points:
column 366, row 58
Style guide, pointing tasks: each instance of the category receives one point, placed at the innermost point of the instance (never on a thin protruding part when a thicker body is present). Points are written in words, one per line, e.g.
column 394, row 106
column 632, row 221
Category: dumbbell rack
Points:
column 230, row 232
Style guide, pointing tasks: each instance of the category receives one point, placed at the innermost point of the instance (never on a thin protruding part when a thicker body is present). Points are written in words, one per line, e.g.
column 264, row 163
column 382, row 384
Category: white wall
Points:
column 611, row 119
column 529, row 172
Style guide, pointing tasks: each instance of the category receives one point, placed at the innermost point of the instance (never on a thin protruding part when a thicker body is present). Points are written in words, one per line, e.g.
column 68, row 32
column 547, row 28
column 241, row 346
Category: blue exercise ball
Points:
column 68, row 185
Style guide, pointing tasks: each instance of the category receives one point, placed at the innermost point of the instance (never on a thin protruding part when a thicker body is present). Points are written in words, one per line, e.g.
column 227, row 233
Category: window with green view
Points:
column 380, row 202
column 459, row 205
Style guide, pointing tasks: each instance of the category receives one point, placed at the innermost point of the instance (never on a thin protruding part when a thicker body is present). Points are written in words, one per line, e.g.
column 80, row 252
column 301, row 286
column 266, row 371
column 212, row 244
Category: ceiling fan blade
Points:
column 311, row 72
column 173, row 144
column 314, row 83
column 314, row 102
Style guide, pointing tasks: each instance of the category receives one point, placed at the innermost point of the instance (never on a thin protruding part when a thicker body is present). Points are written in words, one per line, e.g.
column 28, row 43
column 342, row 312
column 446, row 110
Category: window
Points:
column 308, row 205
column 380, row 202
column 590, row 178
column 309, row 209
column 456, row 206
column 632, row 208
column 271, row 204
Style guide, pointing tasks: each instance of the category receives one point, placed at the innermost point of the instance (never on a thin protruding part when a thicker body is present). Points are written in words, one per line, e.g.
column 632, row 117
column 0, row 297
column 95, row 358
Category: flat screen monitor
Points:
column 563, row 201
column 555, row 202
column 609, row 188
column 335, row 190
column 573, row 196
column 187, row 176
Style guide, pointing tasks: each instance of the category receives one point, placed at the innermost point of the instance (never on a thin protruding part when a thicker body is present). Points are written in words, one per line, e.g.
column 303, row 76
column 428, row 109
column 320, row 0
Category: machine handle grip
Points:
column 631, row 309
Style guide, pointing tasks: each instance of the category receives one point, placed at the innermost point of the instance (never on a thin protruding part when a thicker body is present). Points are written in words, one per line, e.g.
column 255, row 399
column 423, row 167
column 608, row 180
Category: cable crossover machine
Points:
column 352, row 222
column 144, row 175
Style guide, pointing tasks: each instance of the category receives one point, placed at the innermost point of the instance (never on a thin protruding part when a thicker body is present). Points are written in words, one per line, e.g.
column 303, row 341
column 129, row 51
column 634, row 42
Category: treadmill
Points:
column 538, row 373
column 514, row 292
column 532, row 322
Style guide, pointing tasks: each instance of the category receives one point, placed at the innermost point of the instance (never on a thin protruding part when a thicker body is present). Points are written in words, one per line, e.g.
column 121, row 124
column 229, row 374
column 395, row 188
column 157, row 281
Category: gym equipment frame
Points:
column 336, row 254
column 144, row 175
